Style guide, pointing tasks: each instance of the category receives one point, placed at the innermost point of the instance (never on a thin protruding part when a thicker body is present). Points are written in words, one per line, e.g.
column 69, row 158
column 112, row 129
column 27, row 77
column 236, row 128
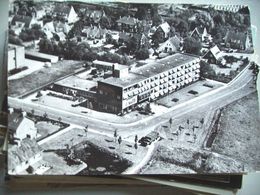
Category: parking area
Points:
column 189, row 92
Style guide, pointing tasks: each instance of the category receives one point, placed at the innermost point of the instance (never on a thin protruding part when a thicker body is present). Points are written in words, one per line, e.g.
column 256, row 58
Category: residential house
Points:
column 19, row 22
column 94, row 32
column 20, row 127
column 128, row 24
column 214, row 55
column 66, row 12
column 57, row 28
column 162, row 32
column 201, row 34
column 95, row 15
column 59, row 36
column 16, row 56
column 230, row 8
column 173, row 44
column 20, row 158
column 38, row 12
column 237, row 40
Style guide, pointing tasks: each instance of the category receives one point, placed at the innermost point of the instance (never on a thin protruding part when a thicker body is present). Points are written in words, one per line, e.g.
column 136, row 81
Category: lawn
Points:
column 46, row 128
column 42, row 77
column 239, row 136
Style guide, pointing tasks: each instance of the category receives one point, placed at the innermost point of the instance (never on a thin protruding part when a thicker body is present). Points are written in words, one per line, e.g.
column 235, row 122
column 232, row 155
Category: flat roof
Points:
column 150, row 69
column 38, row 54
column 77, row 83
column 130, row 79
column 164, row 64
column 12, row 46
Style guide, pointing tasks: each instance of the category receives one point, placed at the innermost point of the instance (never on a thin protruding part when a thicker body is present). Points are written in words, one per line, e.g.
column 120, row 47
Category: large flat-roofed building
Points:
column 75, row 86
column 149, row 82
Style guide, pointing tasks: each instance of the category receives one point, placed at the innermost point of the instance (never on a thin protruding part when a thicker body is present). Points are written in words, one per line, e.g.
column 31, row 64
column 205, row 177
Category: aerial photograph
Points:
column 111, row 88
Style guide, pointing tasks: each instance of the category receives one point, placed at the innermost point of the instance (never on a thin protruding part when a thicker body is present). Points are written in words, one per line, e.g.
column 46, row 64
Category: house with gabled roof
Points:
column 66, row 12
column 128, row 24
column 95, row 15
column 173, row 44
column 213, row 55
column 20, row 127
column 201, row 34
column 237, row 40
column 19, row 22
column 94, row 32
column 21, row 157
column 162, row 32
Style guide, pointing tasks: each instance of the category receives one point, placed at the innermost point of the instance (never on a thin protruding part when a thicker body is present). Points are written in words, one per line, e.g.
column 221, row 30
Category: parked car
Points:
column 149, row 138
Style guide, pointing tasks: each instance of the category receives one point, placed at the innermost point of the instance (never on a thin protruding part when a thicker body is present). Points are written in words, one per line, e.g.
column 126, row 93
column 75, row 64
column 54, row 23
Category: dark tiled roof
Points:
column 24, row 19
column 62, row 9
column 14, row 120
column 231, row 35
column 17, row 155
column 128, row 20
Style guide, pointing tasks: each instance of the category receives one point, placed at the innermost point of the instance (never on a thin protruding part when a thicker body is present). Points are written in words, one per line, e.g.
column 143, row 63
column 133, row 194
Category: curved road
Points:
column 237, row 89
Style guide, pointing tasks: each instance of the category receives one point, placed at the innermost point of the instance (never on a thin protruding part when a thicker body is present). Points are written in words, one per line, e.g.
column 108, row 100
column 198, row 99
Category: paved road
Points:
column 237, row 89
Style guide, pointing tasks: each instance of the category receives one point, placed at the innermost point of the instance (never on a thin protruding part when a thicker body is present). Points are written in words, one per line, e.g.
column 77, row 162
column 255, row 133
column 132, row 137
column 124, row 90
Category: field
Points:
column 42, row 77
column 239, row 136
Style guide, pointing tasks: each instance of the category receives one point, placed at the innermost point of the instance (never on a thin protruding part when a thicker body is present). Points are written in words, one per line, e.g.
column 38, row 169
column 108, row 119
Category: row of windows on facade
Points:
column 156, row 88
column 163, row 79
column 174, row 72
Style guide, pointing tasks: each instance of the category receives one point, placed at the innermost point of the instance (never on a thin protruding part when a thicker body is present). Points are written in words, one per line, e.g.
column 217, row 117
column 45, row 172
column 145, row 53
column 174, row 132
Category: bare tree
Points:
column 136, row 138
column 119, row 140
column 136, row 146
column 86, row 130
column 170, row 121
column 115, row 134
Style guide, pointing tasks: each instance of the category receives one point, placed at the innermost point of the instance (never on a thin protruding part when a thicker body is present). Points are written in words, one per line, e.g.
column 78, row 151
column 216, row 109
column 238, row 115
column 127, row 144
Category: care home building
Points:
column 126, row 89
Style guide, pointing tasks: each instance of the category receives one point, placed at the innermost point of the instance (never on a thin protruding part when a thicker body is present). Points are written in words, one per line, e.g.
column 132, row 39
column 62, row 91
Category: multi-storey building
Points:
column 154, row 80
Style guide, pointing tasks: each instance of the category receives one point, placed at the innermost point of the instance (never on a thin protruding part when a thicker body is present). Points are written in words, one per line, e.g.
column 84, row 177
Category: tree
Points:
column 115, row 134
column 45, row 116
column 219, row 19
column 191, row 45
column 170, row 121
column 105, row 22
column 142, row 54
column 59, row 119
column 132, row 45
column 32, row 111
column 136, row 147
column 86, row 130
column 39, row 94
column 206, row 71
column 136, row 138
column 202, row 121
column 14, row 40
column 119, row 140
column 148, row 108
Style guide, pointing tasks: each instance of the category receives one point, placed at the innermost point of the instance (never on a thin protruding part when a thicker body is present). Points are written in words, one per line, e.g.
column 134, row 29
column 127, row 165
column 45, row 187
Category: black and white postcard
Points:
column 127, row 88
